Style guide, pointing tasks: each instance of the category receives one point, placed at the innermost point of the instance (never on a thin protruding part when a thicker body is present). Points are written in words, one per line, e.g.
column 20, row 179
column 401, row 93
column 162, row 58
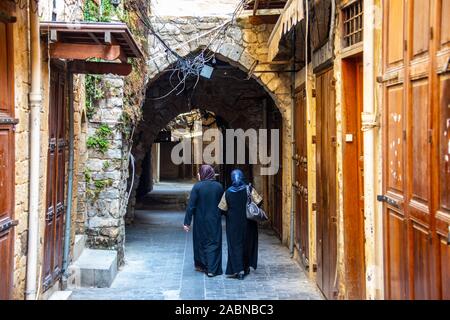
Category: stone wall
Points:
column 106, row 173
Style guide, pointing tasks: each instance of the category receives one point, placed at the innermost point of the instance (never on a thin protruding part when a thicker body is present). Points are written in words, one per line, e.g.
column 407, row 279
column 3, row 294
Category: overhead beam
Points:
column 85, row 67
column 263, row 19
column 255, row 7
column 72, row 51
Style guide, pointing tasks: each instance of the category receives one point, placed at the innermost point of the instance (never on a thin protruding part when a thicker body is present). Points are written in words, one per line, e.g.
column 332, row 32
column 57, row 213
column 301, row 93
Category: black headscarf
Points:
column 237, row 181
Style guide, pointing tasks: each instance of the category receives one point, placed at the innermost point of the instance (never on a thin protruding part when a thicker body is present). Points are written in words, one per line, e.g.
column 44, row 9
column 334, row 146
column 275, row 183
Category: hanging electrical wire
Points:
column 190, row 66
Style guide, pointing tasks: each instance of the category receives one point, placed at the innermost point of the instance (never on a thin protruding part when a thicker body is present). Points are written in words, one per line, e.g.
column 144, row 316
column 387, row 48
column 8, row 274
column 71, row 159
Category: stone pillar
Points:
column 106, row 171
column 155, row 162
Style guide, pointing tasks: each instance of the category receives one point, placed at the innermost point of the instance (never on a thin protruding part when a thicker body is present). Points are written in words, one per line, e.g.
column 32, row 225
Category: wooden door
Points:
column 276, row 187
column 301, row 178
column 416, row 149
column 7, row 156
column 54, row 221
column 353, row 175
column 326, row 184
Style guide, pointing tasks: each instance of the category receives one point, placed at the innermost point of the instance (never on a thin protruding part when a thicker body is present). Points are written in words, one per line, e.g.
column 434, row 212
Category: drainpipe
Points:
column 369, row 122
column 293, row 190
column 35, row 102
column 68, row 219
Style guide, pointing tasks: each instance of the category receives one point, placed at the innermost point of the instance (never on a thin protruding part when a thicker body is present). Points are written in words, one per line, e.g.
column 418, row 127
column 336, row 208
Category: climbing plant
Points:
column 100, row 13
column 94, row 93
column 100, row 141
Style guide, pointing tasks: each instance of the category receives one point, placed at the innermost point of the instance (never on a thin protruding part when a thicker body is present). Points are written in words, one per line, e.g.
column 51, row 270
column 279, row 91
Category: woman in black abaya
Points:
column 207, row 229
column 242, row 234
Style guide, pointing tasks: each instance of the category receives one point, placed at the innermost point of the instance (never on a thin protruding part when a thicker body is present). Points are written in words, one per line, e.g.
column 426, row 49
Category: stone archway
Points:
column 243, row 45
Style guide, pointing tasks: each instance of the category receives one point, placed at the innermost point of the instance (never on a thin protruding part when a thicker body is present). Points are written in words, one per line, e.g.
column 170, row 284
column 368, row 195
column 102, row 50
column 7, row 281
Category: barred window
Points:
column 353, row 23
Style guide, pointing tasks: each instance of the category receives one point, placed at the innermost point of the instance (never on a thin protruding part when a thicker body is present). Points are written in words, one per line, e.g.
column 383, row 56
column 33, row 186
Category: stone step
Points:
column 168, row 201
column 94, row 268
column 78, row 246
column 60, row 295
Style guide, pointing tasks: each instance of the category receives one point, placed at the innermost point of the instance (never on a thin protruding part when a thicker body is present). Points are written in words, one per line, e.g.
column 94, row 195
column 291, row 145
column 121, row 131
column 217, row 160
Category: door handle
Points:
column 390, row 201
column 8, row 225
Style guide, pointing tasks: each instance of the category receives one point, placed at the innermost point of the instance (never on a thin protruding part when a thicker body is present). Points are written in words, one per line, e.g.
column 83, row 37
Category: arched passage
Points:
column 242, row 48
column 239, row 102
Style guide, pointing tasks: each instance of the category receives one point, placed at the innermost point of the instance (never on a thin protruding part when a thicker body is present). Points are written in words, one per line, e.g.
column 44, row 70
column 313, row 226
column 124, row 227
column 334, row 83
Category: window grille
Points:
column 353, row 23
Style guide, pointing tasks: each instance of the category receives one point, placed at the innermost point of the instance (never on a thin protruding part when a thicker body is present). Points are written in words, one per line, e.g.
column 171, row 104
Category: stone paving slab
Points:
column 159, row 265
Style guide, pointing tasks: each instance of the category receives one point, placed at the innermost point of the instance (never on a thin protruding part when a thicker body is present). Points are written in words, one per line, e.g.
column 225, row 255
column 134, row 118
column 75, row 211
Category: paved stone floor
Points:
column 159, row 265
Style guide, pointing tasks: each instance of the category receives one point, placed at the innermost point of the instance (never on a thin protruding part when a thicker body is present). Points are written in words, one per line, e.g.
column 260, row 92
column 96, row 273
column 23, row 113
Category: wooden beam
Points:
column 255, row 7
column 85, row 51
column 263, row 19
column 53, row 36
column 85, row 67
column 108, row 38
column 93, row 37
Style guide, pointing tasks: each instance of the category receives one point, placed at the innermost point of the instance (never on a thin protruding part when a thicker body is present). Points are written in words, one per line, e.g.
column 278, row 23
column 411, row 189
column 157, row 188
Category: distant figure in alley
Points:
column 207, row 227
column 242, row 233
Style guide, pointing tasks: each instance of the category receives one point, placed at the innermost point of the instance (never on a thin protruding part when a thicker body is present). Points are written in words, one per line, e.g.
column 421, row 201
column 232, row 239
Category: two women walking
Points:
column 207, row 203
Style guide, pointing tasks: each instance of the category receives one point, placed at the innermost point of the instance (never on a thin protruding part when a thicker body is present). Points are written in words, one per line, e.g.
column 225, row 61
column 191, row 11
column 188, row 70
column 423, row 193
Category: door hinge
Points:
column 448, row 236
column 405, row 44
column 404, row 135
column 5, row 18
column 431, row 33
column 50, row 214
column 313, row 139
column 52, row 145
column 430, row 136
column 390, row 201
column 314, row 206
column 313, row 93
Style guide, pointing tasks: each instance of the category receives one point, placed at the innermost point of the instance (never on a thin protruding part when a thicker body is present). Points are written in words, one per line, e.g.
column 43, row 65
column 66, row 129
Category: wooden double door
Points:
column 301, row 179
column 416, row 148
column 326, row 192
column 54, row 218
column 7, row 156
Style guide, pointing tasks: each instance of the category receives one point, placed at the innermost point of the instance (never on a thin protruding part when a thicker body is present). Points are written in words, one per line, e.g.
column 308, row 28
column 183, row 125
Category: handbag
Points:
column 254, row 212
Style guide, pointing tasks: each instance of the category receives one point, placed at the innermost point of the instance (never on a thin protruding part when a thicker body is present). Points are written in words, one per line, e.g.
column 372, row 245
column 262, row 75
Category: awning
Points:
column 78, row 42
column 292, row 14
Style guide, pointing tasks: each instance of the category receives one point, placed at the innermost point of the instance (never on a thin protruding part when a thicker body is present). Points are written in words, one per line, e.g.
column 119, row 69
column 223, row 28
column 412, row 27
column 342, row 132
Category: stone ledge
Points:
column 96, row 268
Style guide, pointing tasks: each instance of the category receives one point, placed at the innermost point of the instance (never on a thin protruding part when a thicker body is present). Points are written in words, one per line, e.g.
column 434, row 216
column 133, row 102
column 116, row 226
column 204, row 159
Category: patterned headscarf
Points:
column 207, row 172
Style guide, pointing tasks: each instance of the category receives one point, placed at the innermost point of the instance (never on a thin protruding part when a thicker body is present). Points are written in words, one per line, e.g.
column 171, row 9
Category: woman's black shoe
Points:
column 210, row 274
column 247, row 271
column 241, row 275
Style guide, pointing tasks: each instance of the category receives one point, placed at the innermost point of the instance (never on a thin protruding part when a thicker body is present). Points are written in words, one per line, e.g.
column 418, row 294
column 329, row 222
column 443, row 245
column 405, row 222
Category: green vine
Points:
column 100, row 141
column 93, row 12
column 94, row 93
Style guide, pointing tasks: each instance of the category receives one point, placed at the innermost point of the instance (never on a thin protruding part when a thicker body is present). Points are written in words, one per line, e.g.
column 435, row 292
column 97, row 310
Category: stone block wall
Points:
column 105, row 173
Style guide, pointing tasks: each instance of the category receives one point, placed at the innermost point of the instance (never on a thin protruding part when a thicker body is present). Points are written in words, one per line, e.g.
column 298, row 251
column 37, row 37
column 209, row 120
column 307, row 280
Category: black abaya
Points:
column 207, row 229
column 242, row 234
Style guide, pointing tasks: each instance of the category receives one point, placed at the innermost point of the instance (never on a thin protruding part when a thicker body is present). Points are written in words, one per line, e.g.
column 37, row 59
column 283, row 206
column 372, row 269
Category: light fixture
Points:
column 207, row 71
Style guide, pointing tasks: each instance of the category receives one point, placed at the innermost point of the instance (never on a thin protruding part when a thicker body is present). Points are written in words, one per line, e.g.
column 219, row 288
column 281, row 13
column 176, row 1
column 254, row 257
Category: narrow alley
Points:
column 320, row 129
column 159, row 262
